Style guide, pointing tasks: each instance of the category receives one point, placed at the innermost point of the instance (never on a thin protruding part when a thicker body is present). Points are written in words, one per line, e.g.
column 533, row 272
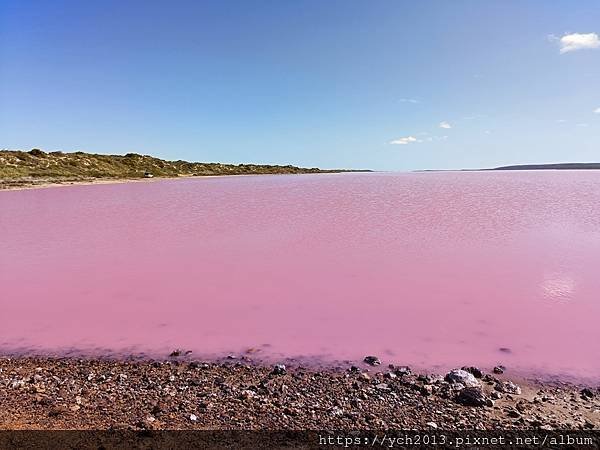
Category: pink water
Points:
column 433, row 270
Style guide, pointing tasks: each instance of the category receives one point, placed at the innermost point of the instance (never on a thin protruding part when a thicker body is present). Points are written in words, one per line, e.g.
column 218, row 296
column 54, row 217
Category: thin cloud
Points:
column 404, row 140
column 445, row 125
column 583, row 124
column 561, row 120
column 597, row 111
column 577, row 41
column 436, row 138
column 409, row 100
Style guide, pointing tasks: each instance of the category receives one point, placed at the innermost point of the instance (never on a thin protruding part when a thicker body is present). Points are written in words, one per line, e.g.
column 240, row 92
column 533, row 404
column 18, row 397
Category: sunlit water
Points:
column 433, row 270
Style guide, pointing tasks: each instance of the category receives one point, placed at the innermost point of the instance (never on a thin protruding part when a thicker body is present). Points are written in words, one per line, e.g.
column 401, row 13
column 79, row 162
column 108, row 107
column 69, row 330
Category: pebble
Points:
column 336, row 411
column 463, row 377
column 587, row 393
column 432, row 425
column 372, row 360
column 402, row 371
column 247, row 394
column 430, row 378
column 508, row 387
column 475, row 371
column 193, row 417
column 279, row 369
column 499, row 369
column 426, row 390
column 473, row 396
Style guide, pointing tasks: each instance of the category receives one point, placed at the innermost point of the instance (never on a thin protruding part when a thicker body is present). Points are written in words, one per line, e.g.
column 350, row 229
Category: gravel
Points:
column 69, row 393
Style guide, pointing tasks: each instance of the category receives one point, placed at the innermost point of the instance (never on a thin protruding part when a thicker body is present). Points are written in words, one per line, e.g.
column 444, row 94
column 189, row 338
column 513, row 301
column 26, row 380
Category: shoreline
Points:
column 58, row 183
column 182, row 393
column 6, row 185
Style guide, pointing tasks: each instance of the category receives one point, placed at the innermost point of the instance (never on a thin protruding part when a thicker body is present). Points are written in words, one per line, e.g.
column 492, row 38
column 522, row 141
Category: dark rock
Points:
column 475, row 371
column 354, row 369
column 279, row 369
column 175, row 353
column 513, row 413
column 372, row 360
column 505, row 350
column 473, row 396
column 430, row 379
column 426, row 390
column 402, row 371
column 157, row 409
column 499, row 369
column 587, row 393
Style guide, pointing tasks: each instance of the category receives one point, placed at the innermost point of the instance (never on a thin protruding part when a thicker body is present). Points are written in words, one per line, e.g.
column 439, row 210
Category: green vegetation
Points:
column 19, row 168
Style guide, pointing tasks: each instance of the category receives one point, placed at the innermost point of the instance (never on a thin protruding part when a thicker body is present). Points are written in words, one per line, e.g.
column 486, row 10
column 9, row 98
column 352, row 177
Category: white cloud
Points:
column 577, row 41
column 404, row 140
column 445, row 125
column 597, row 111
column 408, row 100
column 561, row 120
column 583, row 124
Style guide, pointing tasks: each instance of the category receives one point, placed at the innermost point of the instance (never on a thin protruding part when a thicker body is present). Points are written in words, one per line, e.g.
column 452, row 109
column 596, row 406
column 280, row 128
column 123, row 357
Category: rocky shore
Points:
column 68, row 393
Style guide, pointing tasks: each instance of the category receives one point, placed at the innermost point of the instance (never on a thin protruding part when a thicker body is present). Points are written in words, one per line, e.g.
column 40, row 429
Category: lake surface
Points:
column 433, row 270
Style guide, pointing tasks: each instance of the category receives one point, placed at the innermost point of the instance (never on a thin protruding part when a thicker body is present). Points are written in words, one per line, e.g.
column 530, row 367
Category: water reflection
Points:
column 558, row 287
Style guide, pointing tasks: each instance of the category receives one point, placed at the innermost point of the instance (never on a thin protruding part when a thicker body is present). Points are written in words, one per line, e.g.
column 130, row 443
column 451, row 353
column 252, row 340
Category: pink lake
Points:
column 434, row 270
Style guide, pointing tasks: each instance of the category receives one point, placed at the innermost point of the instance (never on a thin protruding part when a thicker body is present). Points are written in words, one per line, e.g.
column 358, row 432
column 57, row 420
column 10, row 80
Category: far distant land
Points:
column 553, row 166
column 558, row 166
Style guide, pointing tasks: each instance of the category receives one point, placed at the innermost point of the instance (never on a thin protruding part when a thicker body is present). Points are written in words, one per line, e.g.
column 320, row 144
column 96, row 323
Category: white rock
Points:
column 463, row 377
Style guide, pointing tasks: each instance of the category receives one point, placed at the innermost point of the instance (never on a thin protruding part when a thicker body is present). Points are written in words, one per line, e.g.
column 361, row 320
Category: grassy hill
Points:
column 19, row 168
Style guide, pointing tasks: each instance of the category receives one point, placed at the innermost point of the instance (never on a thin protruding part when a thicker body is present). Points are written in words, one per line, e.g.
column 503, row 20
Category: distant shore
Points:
column 180, row 393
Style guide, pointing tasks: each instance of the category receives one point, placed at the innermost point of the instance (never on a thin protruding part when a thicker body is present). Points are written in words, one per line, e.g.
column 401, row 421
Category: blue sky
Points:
column 311, row 83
